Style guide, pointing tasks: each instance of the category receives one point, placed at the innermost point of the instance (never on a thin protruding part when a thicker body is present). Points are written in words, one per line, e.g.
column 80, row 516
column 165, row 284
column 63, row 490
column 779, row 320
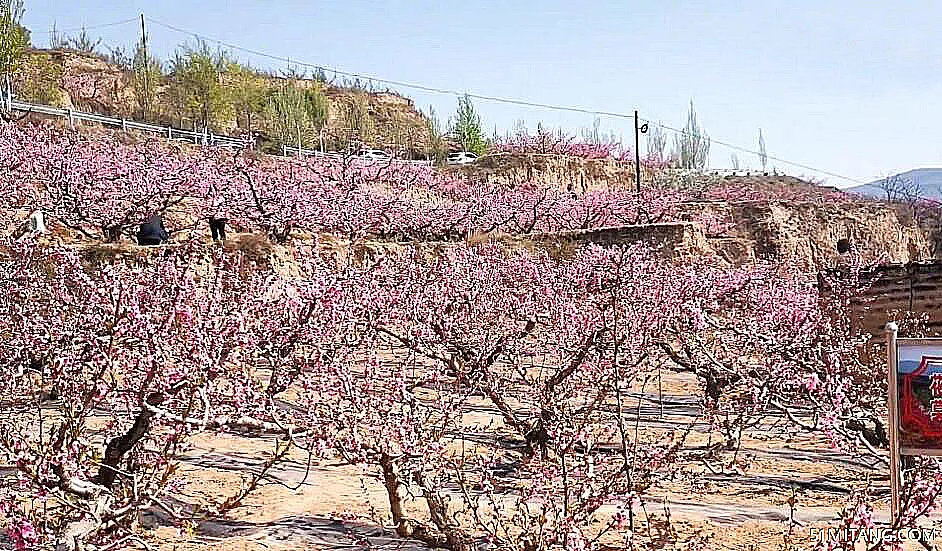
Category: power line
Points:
column 754, row 152
column 398, row 83
column 89, row 28
column 494, row 99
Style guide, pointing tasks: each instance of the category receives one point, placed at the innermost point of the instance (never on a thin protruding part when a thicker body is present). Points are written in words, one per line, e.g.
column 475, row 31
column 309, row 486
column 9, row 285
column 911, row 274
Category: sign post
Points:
column 914, row 402
column 893, row 419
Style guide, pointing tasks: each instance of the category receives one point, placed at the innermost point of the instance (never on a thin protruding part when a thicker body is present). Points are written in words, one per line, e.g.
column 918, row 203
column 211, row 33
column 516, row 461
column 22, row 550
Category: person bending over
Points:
column 153, row 232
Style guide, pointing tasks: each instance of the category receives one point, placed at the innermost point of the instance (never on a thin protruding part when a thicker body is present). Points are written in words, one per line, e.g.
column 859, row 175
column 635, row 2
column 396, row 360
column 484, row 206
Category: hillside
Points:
column 568, row 173
column 548, row 201
column 69, row 79
column 927, row 182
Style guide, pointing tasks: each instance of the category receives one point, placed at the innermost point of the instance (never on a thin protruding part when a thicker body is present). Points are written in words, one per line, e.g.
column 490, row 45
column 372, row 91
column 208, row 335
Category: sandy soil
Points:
column 721, row 504
column 332, row 505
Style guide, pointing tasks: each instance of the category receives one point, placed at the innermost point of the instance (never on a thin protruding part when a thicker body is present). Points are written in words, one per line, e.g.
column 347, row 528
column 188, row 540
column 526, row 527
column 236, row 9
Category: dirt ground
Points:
column 335, row 506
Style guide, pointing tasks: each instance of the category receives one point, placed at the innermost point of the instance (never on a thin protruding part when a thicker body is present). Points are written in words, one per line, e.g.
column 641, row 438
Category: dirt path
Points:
column 301, row 504
column 306, row 503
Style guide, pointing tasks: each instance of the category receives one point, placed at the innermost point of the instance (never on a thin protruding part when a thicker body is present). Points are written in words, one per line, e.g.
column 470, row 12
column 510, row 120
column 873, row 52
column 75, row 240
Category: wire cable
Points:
column 494, row 99
column 89, row 28
column 758, row 153
column 398, row 83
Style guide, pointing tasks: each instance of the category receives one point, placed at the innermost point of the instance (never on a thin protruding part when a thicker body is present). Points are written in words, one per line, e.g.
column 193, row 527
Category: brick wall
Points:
column 669, row 238
column 913, row 287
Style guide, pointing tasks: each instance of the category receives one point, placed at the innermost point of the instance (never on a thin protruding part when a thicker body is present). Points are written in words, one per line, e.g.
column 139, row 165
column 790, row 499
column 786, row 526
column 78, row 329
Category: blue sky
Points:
column 847, row 86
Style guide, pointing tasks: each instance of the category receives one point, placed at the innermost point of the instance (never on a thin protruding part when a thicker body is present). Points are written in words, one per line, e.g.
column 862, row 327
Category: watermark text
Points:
column 873, row 535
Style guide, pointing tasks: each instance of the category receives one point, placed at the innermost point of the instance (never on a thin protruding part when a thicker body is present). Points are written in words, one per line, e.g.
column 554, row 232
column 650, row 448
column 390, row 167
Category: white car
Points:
column 461, row 158
column 232, row 145
column 373, row 155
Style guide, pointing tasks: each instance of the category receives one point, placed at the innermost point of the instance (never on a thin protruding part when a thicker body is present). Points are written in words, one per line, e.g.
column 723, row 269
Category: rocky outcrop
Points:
column 74, row 80
column 558, row 171
column 808, row 232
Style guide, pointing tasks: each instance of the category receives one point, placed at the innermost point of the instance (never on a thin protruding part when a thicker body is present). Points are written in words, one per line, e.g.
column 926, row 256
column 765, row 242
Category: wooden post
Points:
column 146, row 68
column 8, row 93
column 892, row 362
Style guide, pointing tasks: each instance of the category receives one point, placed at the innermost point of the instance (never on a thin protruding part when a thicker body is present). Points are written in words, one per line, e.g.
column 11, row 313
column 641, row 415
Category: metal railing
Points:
column 207, row 137
column 742, row 172
column 721, row 172
column 289, row 151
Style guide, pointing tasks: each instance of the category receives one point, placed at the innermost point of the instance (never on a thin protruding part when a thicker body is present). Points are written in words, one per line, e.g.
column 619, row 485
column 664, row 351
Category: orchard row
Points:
column 105, row 188
column 376, row 362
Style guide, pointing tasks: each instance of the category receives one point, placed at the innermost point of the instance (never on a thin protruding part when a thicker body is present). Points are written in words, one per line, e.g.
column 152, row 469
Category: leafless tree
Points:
column 900, row 189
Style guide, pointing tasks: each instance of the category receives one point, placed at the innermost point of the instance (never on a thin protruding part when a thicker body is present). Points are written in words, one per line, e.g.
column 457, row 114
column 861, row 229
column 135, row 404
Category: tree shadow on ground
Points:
column 296, row 530
column 322, row 532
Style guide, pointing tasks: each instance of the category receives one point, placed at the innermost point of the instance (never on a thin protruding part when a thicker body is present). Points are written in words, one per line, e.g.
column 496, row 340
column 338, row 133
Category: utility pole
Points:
column 637, row 156
column 146, row 70
column 642, row 129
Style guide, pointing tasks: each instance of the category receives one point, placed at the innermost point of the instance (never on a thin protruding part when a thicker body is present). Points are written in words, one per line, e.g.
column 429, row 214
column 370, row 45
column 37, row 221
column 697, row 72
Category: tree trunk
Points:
column 121, row 445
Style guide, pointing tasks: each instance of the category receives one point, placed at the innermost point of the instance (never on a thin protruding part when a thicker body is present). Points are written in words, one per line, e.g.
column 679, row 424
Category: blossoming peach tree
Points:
column 503, row 388
column 109, row 368
column 103, row 188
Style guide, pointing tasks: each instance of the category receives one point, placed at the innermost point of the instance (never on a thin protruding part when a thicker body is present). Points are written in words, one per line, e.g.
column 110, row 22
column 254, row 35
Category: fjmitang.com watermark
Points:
column 872, row 535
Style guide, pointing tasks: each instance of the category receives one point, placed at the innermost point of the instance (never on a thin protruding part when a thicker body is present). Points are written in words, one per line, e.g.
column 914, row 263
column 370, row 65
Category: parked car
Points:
column 374, row 155
column 461, row 158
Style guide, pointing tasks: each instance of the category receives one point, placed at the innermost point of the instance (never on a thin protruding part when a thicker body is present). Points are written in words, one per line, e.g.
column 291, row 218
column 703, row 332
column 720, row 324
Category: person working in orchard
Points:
column 218, row 228
column 217, row 217
column 36, row 223
column 153, row 232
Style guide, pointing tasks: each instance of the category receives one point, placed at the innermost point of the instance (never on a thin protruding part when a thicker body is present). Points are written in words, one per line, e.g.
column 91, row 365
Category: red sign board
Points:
column 919, row 381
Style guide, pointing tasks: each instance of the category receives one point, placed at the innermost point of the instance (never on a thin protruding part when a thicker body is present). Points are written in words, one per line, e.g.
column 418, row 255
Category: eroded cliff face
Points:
column 561, row 172
column 808, row 232
column 803, row 233
column 751, row 218
column 73, row 80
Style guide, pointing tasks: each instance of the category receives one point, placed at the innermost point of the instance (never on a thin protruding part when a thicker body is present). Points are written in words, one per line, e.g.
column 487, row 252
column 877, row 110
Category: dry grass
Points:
column 255, row 246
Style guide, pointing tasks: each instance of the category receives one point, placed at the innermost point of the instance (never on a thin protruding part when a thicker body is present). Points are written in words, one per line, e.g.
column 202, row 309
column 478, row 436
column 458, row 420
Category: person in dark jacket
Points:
column 217, row 214
column 218, row 228
column 153, row 232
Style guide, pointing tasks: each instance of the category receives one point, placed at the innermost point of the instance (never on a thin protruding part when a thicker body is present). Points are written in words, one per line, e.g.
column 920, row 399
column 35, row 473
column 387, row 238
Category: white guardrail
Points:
column 169, row 132
column 206, row 138
column 721, row 172
column 741, row 172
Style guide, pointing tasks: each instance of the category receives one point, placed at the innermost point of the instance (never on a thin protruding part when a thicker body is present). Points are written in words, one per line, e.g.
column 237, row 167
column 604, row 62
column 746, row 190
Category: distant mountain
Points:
column 929, row 181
